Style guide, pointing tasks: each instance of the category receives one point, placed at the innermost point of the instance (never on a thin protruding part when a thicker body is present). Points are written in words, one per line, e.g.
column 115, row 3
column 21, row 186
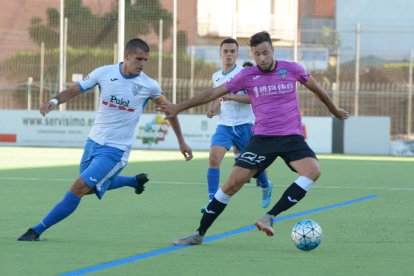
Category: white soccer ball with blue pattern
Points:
column 306, row 234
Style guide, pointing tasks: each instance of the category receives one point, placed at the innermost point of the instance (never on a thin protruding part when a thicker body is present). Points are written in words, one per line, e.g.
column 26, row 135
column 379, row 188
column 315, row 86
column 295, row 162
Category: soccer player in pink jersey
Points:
column 271, row 86
column 234, row 125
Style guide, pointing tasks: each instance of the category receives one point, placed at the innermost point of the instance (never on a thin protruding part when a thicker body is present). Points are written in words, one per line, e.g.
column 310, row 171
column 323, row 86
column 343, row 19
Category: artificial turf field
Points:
column 363, row 204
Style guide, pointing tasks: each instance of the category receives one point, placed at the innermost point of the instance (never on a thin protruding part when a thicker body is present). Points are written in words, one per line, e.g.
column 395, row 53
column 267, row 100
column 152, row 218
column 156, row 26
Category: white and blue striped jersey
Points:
column 122, row 100
column 232, row 113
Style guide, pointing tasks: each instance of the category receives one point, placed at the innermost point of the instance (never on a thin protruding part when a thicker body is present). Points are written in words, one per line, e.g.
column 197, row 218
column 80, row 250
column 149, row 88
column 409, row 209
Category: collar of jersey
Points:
column 122, row 74
column 235, row 65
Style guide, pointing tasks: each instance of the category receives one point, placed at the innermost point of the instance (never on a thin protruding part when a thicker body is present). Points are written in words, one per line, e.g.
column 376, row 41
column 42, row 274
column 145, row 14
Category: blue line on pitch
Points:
column 207, row 239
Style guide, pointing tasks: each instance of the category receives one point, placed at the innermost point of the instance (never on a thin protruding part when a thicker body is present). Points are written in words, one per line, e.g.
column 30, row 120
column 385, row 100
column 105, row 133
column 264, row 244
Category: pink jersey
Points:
column 273, row 97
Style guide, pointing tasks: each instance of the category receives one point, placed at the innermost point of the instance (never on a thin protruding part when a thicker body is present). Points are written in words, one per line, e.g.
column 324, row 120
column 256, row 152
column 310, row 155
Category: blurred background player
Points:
column 235, row 122
column 124, row 91
column 248, row 64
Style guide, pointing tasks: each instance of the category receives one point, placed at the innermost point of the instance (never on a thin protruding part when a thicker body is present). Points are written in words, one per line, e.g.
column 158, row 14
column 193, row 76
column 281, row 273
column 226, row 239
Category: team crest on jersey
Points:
column 136, row 88
column 282, row 73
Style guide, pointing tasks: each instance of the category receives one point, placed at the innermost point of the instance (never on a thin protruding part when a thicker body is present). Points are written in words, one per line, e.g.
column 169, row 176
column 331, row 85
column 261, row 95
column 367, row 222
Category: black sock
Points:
column 290, row 197
column 213, row 210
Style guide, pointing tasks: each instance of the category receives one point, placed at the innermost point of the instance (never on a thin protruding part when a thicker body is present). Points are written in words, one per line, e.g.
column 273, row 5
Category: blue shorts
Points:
column 100, row 164
column 227, row 136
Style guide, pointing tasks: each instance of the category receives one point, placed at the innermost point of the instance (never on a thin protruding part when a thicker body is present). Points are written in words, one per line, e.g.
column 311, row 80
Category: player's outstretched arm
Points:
column 313, row 86
column 171, row 110
column 175, row 124
column 245, row 99
column 60, row 98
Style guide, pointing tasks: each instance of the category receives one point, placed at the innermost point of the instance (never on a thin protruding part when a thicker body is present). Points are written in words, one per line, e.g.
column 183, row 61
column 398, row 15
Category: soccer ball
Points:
column 306, row 234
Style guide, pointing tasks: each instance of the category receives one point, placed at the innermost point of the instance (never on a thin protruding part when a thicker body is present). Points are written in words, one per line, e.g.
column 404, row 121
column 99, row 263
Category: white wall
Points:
column 71, row 128
column 367, row 135
column 362, row 135
column 319, row 131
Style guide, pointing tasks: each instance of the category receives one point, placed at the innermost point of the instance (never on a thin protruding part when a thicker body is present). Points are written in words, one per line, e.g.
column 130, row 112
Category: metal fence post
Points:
column 42, row 73
column 357, row 55
column 410, row 94
column 160, row 44
column 29, row 92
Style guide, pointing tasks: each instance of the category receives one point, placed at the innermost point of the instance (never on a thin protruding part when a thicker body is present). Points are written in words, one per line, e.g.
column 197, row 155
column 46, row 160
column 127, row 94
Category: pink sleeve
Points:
column 235, row 84
column 302, row 74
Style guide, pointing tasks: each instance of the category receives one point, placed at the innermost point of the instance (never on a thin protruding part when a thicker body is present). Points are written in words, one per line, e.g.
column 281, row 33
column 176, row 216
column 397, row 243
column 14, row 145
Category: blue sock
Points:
column 262, row 179
column 63, row 209
column 122, row 181
column 213, row 181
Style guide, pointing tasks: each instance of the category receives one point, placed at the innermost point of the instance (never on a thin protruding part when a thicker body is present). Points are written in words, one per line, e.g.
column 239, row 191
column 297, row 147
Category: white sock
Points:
column 304, row 182
column 222, row 197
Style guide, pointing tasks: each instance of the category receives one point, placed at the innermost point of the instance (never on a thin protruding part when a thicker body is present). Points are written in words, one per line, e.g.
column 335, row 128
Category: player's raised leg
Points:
column 138, row 181
column 309, row 171
column 97, row 175
column 63, row 209
column 223, row 196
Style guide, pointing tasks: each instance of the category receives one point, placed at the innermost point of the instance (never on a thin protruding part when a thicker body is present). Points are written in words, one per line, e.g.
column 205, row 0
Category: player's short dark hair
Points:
column 247, row 64
column 229, row 40
column 260, row 37
column 135, row 43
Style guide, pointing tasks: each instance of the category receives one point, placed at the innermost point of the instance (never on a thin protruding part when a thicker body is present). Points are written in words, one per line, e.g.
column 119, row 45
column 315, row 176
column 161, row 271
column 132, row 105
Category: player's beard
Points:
column 268, row 69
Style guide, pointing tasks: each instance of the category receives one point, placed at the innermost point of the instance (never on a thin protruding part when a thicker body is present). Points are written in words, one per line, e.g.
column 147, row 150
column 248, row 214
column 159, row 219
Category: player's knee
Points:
column 313, row 170
column 80, row 188
column 232, row 186
column 314, row 173
column 214, row 162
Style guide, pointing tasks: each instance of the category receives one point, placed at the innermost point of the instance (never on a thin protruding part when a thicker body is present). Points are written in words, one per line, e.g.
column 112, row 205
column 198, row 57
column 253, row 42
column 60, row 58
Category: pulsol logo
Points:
column 119, row 101
column 120, row 104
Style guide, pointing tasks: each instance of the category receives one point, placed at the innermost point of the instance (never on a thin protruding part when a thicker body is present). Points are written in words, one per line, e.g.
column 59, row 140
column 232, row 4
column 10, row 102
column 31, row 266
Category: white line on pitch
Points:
column 203, row 183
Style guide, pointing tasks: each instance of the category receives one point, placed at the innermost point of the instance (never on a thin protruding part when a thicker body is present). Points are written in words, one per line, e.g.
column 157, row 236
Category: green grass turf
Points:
column 373, row 237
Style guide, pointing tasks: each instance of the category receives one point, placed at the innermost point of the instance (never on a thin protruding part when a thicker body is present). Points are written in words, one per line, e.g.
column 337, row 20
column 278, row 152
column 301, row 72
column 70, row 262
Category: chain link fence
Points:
column 364, row 83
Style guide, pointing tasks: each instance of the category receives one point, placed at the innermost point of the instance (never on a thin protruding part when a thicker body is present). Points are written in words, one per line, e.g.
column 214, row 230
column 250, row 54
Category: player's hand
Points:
column 341, row 114
column 46, row 107
column 210, row 113
column 227, row 97
column 170, row 110
column 186, row 151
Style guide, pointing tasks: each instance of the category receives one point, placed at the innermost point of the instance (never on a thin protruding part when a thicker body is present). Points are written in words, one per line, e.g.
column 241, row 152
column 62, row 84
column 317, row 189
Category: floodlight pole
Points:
column 121, row 29
column 160, row 42
column 337, row 77
column 234, row 19
column 357, row 55
column 192, row 71
column 174, row 88
column 62, row 107
column 296, row 32
column 61, row 48
column 42, row 73
column 410, row 95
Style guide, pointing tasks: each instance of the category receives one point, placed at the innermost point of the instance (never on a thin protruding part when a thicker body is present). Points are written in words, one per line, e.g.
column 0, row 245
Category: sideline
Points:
column 154, row 253
column 193, row 183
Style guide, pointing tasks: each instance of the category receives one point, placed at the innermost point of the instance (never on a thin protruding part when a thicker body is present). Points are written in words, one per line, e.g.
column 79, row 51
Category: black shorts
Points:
column 261, row 151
